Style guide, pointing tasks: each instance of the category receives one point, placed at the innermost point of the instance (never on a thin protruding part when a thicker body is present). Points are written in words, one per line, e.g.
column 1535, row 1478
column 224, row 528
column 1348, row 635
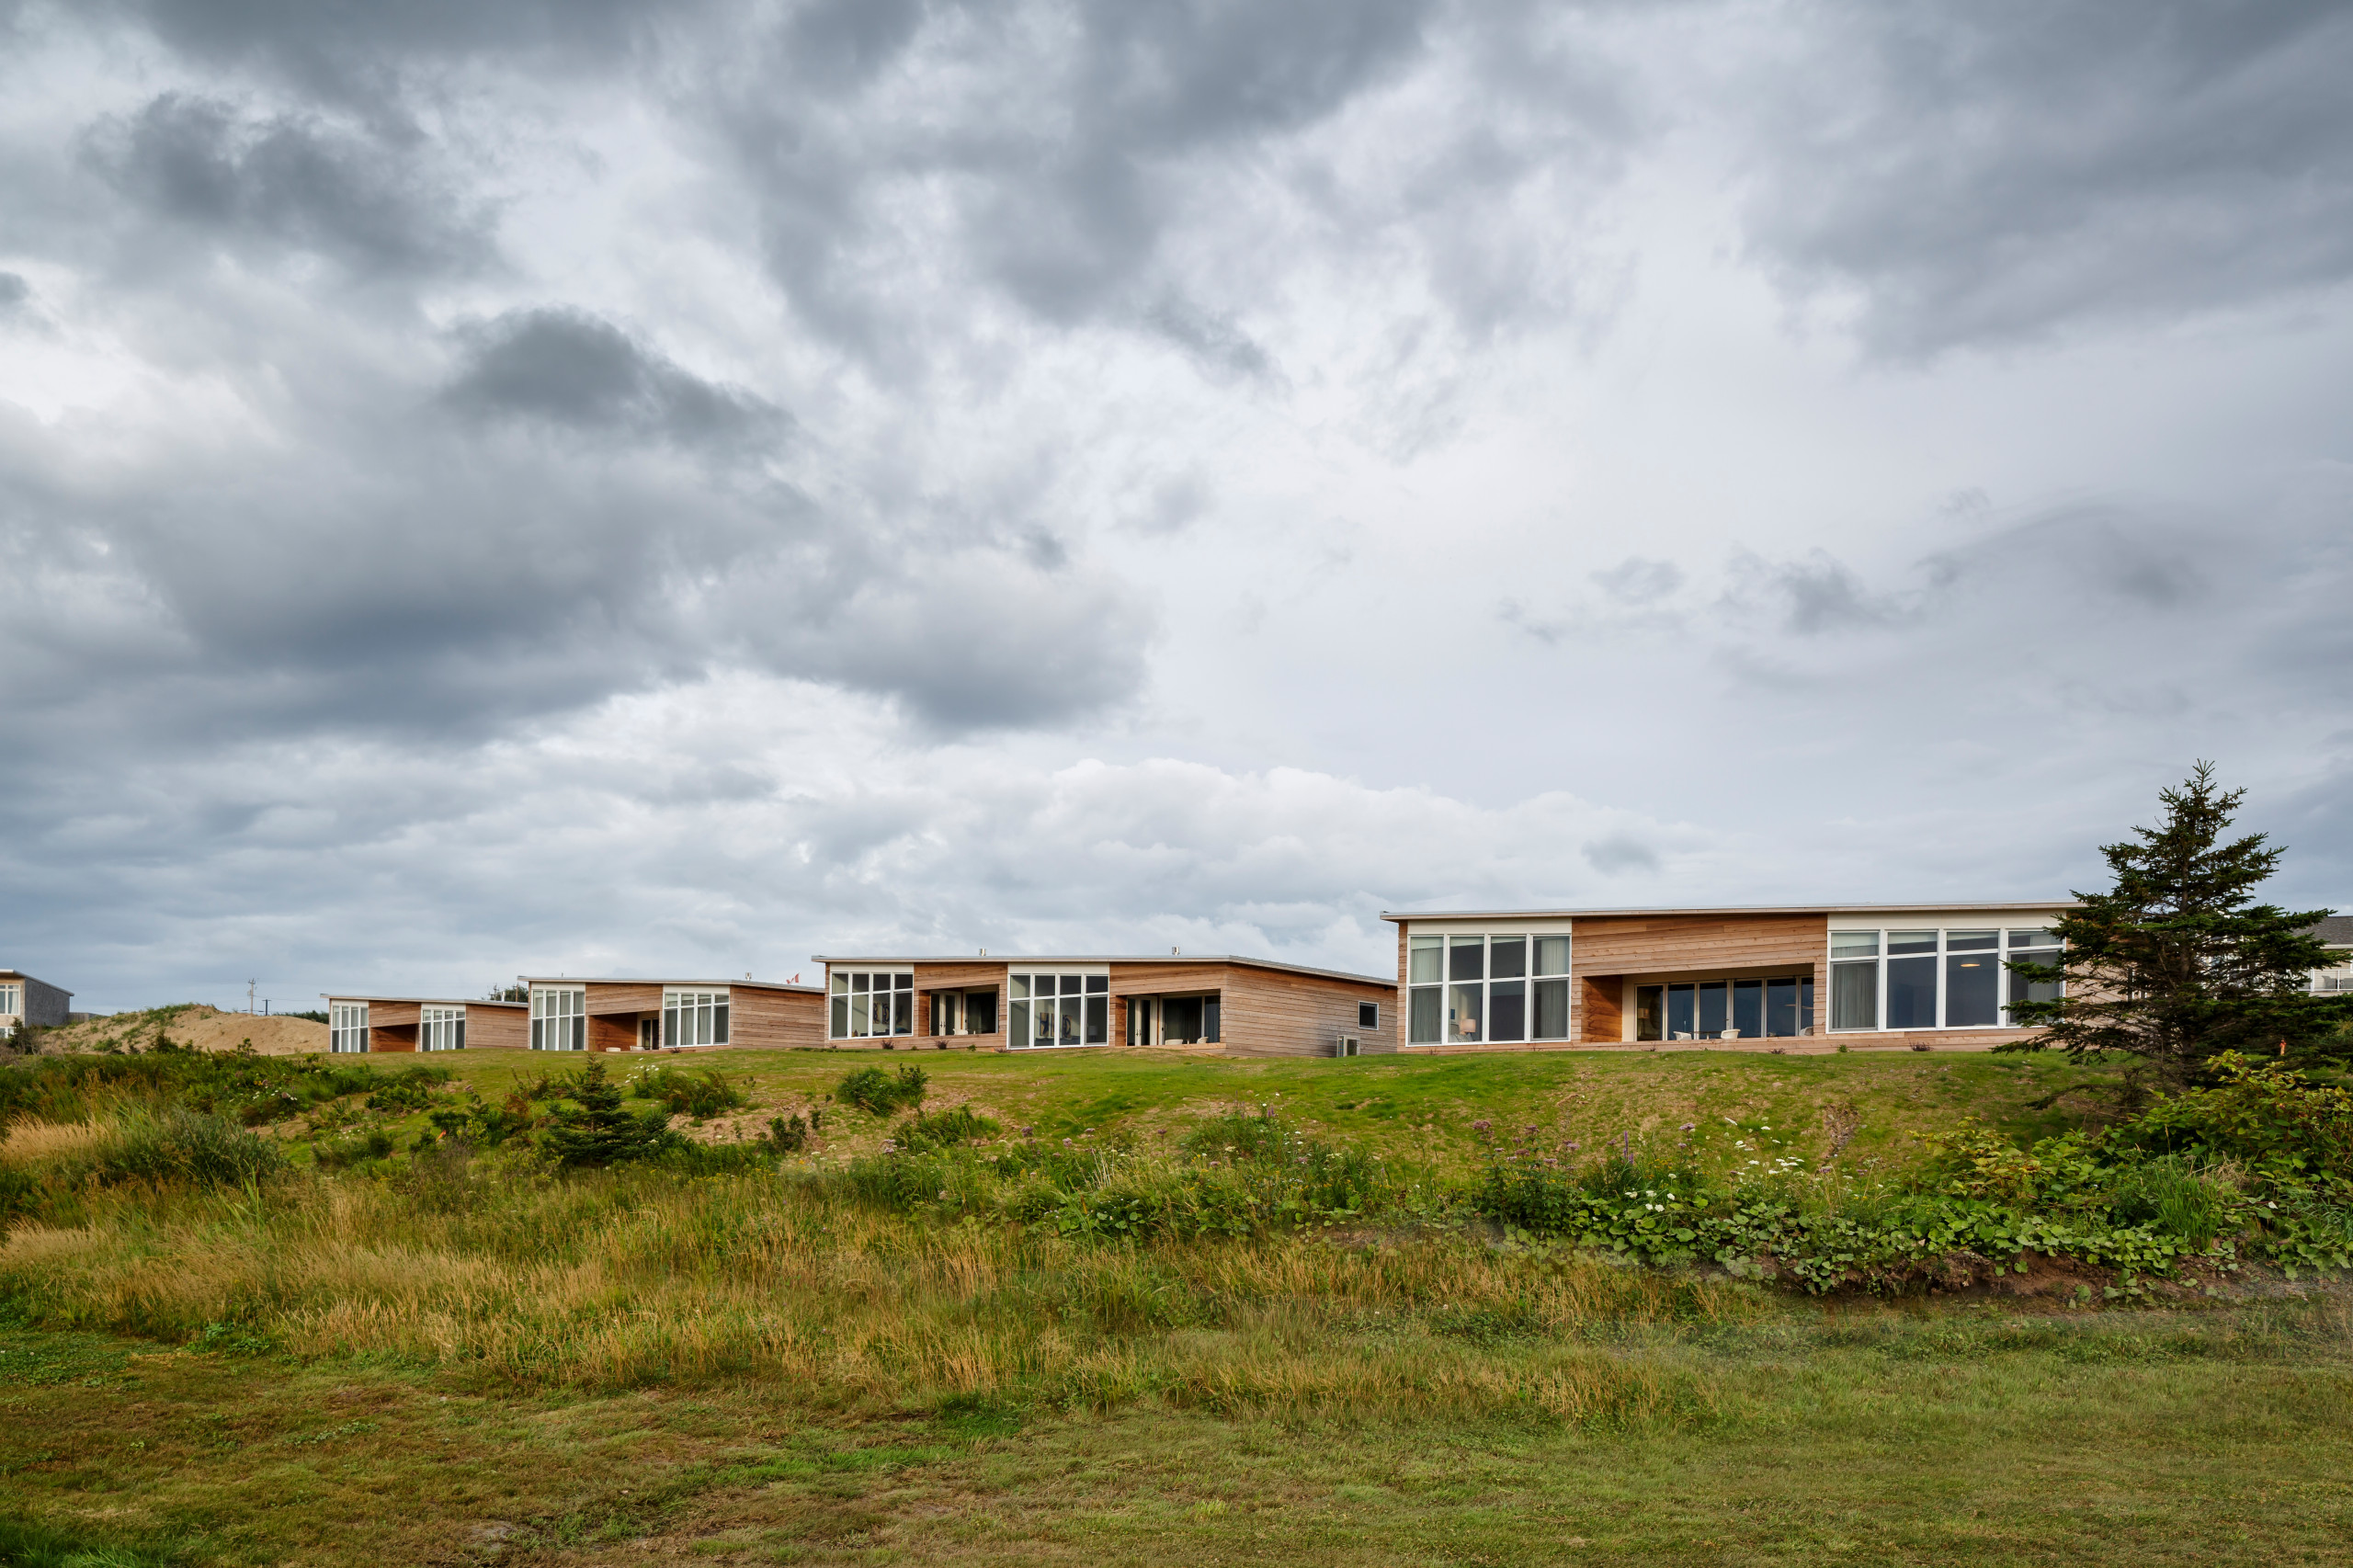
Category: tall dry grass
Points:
column 31, row 1143
column 647, row 1275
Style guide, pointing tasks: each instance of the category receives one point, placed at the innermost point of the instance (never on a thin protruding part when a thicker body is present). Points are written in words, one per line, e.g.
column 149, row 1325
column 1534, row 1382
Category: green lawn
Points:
column 483, row 1360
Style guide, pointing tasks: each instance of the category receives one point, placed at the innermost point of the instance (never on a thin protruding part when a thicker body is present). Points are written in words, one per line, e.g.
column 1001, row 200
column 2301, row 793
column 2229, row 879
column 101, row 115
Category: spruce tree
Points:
column 605, row 1132
column 2176, row 963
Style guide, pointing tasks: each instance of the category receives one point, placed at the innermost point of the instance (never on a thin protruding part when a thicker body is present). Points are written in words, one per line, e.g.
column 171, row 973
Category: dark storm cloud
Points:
column 197, row 161
column 570, row 368
column 1983, row 173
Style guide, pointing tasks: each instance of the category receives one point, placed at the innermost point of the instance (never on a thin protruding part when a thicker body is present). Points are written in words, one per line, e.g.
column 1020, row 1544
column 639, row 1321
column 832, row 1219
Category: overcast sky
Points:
column 493, row 486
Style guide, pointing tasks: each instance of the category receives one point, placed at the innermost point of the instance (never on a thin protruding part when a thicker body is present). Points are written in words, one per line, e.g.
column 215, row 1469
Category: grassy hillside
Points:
column 340, row 1338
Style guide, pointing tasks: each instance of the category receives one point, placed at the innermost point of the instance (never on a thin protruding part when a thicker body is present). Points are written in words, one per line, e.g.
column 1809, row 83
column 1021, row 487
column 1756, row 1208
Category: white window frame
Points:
column 694, row 1016
column 1364, row 1023
column 12, row 1002
column 1022, row 996
column 2008, row 948
column 441, row 1029
column 559, row 1018
column 348, row 1028
column 1536, row 934
column 850, row 1013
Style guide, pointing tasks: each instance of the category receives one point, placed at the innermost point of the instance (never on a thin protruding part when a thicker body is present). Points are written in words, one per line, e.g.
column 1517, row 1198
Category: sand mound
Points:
column 205, row 1027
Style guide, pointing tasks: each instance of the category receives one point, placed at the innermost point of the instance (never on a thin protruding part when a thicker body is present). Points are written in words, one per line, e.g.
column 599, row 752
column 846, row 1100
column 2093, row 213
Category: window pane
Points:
column 1507, row 1010
column 1464, row 958
column 858, row 1024
column 861, row 983
column 1682, row 1013
column 1422, row 960
column 1073, row 1020
column 841, row 983
column 1911, row 994
column 1552, row 955
column 670, row 1025
column 1462, row 1012
column 1180, row 1019
column 2034, row 938
column 979, row 1012
column 1780, row 1008
column 1805, row 1005
column 718, row 1025
column 2025, row 990
column 1854, row 996
column 1748, row 1008
column 1020, row 987
column 1854, row 944
column 1714, row 1015
column 903, row 982
column 1972, row 941
column 1212, row 1024
column 1019, row 1015
column 1098, row 1019
column 1911, row 941
column 1552, row 1010
column 1095, row 982
column 1368, row 1015
column 1650, row 1011
column 1972, row 990
column 841, row 1018
column 1427, row 1004
column 1508, row 958
column 1073, row 984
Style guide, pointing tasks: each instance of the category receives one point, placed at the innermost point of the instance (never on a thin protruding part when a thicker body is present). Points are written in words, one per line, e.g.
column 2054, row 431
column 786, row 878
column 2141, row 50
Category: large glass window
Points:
column 441, row 1029
column 348, row 1026
column 1469, row 989
column 1923, row 980
column 559, row 1018
column 964, row 1012
column 696, row 1017
column 1725, row 1010
column 1060, row 1009
column 1191, row 1020
column 873, row 1004
column 2035, row 947
column 11, row 1000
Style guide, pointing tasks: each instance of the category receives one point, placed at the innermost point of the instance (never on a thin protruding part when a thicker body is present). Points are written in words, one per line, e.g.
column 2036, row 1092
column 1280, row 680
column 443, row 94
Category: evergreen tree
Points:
column 603, row 1131
column 2176, row 963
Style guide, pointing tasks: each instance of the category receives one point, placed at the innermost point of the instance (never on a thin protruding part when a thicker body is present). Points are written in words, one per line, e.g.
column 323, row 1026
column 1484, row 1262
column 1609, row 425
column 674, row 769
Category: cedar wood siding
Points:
column 759, row 1018
column 1272, row 1012
column 1602, row 951
column 498, row 1028
column 391, row 1026
column 613, row 1011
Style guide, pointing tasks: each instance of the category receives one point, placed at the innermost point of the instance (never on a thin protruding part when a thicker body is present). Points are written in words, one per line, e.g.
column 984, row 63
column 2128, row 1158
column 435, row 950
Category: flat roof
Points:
column 20, row 974
column 629, row 979
column 1389, row 981
column 1728, row 909
column 425, row 1001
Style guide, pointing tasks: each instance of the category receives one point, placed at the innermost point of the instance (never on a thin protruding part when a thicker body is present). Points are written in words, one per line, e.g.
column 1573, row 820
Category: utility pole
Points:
column 250, row 986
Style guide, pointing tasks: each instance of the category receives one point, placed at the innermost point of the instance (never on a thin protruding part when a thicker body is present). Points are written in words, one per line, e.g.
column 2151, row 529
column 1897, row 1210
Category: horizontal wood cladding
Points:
column 1693, row 944
column 608, row 1033
column 393, row 1015
column 1272, row 1012
column 1175, row 978
column 1600, row 1009
column 980, row 975
column 624, row 999
column 775, row 1020
column 393, row 1039
column 498, row 1028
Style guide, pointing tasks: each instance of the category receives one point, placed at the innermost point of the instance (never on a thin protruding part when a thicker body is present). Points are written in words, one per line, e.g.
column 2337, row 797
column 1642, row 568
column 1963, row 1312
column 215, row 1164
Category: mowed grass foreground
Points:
column 455, row 1356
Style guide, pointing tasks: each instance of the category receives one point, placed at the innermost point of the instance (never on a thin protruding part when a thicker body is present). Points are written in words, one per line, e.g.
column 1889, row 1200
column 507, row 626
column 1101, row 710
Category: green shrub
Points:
column 786, row 1134
column 2269, row 1117
column 700, row 1094
column 177, row 1144
column 943, row 1128
column 600, row 1131
column 2169, row 1194
column 879, row 1093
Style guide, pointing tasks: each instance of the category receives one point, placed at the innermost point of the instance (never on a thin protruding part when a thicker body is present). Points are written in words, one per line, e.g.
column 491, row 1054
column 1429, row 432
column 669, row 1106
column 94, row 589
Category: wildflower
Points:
column 1686, row 1127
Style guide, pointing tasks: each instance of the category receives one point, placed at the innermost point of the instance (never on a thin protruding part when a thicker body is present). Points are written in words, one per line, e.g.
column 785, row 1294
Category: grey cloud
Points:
column 570, row 368
column 14, row 291
column 1620, row 853
column 1638, row 580
column 1214, row 343
column 1991, row 173
column 1818, row 594
column 287, row 181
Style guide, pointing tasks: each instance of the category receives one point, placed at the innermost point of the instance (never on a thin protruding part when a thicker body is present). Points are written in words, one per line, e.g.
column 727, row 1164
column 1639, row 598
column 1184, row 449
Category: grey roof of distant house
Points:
column 2336, row 930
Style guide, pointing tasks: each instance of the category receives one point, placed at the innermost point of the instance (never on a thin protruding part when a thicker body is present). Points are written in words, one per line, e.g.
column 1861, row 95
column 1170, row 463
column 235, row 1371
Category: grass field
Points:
column 445, row 1358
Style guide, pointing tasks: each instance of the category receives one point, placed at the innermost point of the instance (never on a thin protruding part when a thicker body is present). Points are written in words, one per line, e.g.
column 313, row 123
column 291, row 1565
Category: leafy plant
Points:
column 879, row 1093
column 701, row 1094
column 943, row 1128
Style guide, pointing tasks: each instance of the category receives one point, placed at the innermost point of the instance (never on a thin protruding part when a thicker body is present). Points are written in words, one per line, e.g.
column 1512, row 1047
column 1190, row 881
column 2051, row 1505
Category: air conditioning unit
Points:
column 1347, row 1045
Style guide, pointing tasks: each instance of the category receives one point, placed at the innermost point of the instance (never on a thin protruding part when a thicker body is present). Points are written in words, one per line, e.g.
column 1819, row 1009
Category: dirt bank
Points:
column 205, row 1027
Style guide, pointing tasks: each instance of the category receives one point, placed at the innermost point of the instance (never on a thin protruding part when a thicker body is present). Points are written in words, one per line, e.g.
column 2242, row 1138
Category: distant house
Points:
column 422, row 1023
column 24, row 1000
column 671, row 1014
column 1858, row 975
column 1239, row 1007
column 2337, row 932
